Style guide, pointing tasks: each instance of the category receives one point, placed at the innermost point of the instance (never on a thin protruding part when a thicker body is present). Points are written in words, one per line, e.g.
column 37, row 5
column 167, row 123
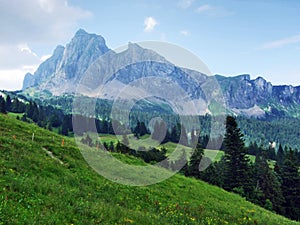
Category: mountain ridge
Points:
column 88, row 60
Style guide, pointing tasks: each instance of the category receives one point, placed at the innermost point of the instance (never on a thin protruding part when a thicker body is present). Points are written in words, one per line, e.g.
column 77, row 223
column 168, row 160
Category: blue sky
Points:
column 260, row 38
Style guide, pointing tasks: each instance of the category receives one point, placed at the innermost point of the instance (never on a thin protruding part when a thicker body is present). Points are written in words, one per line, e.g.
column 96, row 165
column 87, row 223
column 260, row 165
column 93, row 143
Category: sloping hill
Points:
column 36, row 188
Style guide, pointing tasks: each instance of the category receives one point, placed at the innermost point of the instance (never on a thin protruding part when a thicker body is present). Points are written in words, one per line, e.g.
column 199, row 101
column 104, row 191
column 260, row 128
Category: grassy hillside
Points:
column 43, row 182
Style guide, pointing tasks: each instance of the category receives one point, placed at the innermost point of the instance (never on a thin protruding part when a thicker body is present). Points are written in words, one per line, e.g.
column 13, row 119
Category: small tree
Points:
column 182, row 162
column 140, row 129
column 125, row 144
column 183, row 137
column 136, row 130
column 193, row 167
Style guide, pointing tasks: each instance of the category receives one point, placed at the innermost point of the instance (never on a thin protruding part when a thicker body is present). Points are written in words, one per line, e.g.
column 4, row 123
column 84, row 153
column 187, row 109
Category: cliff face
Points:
column 68, row 63
column 28, row 81
column 242, row 93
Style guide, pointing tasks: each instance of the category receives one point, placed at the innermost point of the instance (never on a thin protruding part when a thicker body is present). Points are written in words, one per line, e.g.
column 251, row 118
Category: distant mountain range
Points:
column 102, row 72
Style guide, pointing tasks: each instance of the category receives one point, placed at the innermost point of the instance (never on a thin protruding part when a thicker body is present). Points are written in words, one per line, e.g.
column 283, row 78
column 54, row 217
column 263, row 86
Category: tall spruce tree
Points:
column 193, row 167
column 291, row 185
column 8, row 103
column 236, row 162
column 136, row 130
column 141, row 129
column 280, row 155
column 267, row 182
column 2, row 105
column 182, row 161
column 183, row 137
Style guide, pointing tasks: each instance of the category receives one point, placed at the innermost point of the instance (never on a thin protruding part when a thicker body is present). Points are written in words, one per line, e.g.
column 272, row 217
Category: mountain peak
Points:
column 58, row 50
column 84, row 38
column 133, row 46
column 81, row 32
column 28, row 81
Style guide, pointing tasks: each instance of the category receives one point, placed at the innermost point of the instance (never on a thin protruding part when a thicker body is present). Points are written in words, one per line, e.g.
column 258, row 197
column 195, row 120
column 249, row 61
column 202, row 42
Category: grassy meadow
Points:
column 36, row 188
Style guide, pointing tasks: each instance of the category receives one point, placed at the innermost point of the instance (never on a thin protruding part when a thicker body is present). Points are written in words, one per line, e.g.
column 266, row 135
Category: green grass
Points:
column 147, row 142
column 15, row 115
column 36, row 189
column 108, row 138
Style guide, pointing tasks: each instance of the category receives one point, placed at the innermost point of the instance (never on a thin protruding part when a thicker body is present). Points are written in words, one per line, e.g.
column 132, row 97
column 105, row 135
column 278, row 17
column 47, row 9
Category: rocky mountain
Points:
column 67, row 63
column 88, row 67
column 258, row 97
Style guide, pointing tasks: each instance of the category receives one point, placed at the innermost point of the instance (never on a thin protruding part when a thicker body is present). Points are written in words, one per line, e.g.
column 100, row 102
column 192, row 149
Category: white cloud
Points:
column 185, row 33
column 25, row 49
column 45, row 57
column 38, row 20
column 184, row 4
column 46, row 5
column 12, row 80
column 282, row 42
column 15, row 62
column 149, row 24
column 27, row 22
column 213, row 11
column 204, row 8
column 17, row 56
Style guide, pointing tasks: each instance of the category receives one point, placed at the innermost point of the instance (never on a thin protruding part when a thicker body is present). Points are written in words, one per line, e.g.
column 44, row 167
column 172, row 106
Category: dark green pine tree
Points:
column 8, row 103
column 237, row 170
column 267, row 182
column 194, row 138
column 143, row 129
column 175, row 133
column 182, row 162
column 193, row 167
column 17, row 106
column 280, row 155
column 118, row 146
column 183, row 137
column 214, row 174
column 291, row 185
column 136, row 130
column 2, row 105
column 125, row 144
column 253, row 148
column 111, row 147
column 156, row 134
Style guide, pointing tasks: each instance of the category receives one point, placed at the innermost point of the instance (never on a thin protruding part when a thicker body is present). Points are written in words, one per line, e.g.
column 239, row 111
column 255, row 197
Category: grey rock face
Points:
column 80, row 53
column 28, row 81
column 242, row 93
column 48, row 68
column 68, row 63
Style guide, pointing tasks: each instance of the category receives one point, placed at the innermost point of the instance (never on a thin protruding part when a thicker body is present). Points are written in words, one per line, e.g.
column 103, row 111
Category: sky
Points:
column 232, row 37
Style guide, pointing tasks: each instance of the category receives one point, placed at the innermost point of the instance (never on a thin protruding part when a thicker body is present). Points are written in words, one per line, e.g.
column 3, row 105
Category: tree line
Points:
column 276, row 189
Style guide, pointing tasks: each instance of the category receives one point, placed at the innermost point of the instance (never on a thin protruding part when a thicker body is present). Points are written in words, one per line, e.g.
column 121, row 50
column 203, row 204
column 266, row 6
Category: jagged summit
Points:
column 134, row 46
column 81, row 32
column 58, row 49
column 68, row 62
